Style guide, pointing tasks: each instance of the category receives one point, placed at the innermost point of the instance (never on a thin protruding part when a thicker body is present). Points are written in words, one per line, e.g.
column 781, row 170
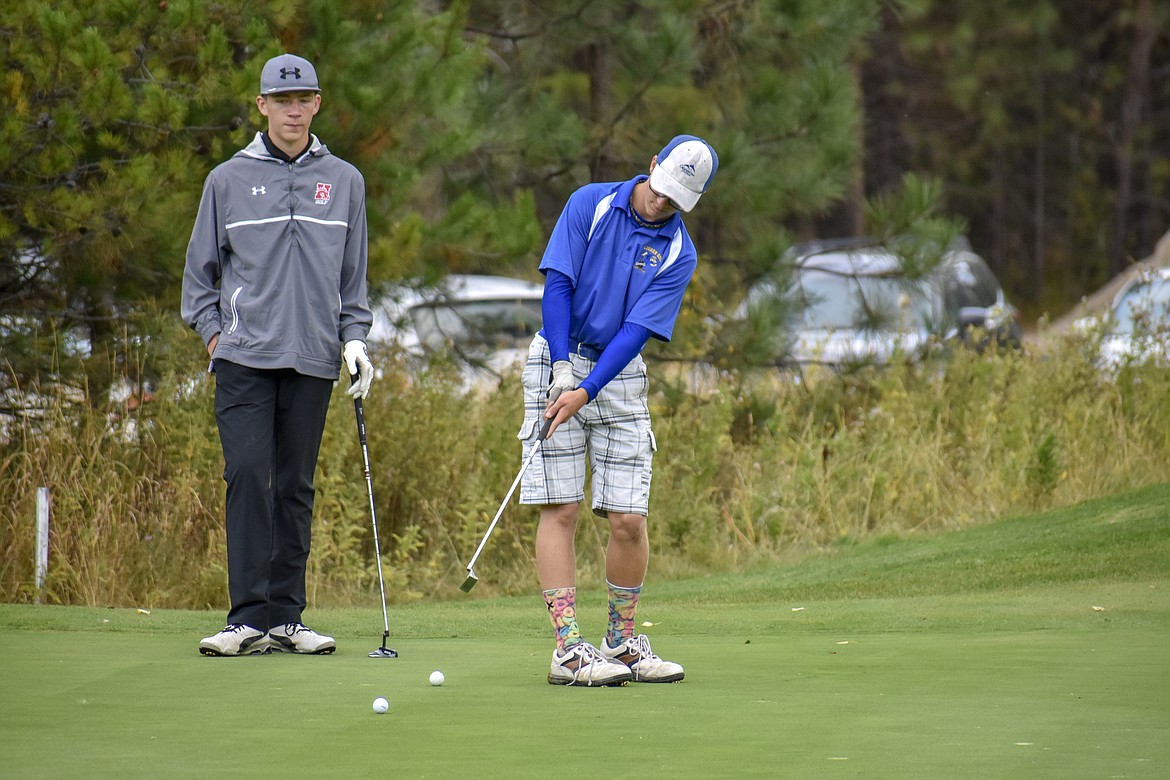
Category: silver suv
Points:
column 852, row 302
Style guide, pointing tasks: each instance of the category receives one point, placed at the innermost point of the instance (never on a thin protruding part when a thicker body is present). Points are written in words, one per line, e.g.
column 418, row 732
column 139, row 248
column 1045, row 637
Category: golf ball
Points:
column 437, row 677
column 381, row 705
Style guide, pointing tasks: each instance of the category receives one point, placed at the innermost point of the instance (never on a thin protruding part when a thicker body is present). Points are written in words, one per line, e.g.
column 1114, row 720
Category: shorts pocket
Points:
column 648, row 467
column 527, row 429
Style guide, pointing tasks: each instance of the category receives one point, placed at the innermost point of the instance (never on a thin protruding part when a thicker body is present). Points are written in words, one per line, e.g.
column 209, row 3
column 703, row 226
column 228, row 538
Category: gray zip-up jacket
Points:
column 277, row 260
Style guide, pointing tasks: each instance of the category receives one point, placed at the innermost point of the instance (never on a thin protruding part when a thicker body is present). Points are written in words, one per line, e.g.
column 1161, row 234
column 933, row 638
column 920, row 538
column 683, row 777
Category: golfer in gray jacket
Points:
column 275, row 284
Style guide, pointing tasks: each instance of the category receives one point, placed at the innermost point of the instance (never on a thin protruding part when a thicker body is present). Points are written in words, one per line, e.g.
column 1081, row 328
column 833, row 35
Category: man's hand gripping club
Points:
column 565, row 399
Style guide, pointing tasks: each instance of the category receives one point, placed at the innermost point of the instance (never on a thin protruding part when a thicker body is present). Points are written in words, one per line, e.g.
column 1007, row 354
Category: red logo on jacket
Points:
column 323, row 191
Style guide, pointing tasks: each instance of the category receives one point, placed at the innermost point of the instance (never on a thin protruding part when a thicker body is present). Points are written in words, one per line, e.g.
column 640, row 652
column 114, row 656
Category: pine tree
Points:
column 120, row 109
column 1043, row 118
column 114, row 110
column 592, row 91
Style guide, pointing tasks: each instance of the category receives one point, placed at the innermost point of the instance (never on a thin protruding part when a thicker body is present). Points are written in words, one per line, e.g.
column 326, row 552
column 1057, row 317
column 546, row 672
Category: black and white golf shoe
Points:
column 583, row 664
column 235, row 639
column 299, row 638
column 635, row 653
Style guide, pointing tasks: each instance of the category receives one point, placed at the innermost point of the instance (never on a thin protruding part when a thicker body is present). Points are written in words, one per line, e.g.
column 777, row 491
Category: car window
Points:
column 475, row 325
column 987, row 286
column 1145, row 308
column 834, row 302
column 969, row 283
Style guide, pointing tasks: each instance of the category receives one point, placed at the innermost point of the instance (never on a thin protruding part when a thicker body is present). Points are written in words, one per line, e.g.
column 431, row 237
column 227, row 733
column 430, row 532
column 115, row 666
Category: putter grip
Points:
column 359, row 413
column 544, row 430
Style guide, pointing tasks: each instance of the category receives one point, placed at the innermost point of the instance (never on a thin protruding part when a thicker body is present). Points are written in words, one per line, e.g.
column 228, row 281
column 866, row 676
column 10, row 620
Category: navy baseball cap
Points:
column 288, row 73
column 684, row 169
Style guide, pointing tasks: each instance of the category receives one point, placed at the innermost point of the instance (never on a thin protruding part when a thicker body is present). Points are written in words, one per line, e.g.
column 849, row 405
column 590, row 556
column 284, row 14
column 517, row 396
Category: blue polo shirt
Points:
column 622, row 271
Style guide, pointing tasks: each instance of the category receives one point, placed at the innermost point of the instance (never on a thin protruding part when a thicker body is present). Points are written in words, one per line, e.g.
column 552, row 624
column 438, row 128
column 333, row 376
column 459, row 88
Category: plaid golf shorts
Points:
column 613, row 429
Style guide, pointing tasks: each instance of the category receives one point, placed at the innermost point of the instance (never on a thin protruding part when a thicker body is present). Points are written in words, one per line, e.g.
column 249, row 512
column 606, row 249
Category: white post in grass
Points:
column 42, row 539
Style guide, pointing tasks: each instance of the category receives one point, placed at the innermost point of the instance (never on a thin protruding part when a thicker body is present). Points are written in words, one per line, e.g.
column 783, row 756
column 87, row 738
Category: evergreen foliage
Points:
column 1040, row 128
column 473, row 122
column 113, row 110
column 1046, row 121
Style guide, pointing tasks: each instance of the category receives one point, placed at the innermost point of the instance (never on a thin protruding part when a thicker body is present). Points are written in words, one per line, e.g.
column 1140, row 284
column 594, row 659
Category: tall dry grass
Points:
column 746, row 473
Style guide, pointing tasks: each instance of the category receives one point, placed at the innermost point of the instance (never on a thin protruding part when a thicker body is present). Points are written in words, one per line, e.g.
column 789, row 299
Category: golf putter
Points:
column 359, row 412
column 471, row 579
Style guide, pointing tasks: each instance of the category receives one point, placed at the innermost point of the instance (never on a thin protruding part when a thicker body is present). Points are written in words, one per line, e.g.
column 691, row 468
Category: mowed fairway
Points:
column 1036, row 647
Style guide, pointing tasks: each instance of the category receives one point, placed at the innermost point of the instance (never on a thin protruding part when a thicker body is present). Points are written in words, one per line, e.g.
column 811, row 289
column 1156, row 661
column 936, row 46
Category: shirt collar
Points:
column 279, row 153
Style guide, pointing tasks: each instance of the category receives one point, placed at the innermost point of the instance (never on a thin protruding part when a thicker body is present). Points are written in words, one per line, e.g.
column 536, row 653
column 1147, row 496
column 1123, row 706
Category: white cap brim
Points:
column 664, row 184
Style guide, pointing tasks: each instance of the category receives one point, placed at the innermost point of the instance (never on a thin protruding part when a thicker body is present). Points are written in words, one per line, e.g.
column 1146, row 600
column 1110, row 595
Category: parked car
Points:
column 484, row 322
column 850, row 302
column 1136, row 327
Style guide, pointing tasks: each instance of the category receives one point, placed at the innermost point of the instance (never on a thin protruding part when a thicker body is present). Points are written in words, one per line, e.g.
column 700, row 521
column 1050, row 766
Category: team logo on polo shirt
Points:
column 323, row 191
column 649, row 255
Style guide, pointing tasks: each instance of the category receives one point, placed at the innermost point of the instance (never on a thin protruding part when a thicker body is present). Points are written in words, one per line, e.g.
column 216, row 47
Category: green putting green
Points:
column 980, row 654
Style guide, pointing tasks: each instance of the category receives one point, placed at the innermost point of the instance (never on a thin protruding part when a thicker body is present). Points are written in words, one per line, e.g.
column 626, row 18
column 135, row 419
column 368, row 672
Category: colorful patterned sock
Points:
column 623, row 603
column 562, row 610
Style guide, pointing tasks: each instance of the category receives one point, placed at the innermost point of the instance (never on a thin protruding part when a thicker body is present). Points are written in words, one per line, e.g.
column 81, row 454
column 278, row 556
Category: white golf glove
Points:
column 358, row 363
column 562, row 378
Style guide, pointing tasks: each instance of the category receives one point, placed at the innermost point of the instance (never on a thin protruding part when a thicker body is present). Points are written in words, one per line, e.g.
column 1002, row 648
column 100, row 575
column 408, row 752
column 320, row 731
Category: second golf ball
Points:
column 381, row 705
column 437, row 677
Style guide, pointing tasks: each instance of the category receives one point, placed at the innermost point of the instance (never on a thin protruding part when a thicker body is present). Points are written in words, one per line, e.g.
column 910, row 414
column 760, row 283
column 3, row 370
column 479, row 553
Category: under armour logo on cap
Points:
column 288, row 73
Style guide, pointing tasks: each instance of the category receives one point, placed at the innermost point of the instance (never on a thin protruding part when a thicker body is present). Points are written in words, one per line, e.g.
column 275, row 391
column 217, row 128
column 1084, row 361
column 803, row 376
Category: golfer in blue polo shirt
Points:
column 616, row 267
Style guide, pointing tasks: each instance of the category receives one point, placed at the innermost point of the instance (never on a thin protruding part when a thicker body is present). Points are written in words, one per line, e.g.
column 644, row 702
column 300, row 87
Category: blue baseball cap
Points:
column 684, row 170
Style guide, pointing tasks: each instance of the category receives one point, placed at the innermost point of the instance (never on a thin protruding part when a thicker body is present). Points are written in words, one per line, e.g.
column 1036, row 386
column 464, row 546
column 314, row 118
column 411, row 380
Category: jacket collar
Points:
column 259, row 149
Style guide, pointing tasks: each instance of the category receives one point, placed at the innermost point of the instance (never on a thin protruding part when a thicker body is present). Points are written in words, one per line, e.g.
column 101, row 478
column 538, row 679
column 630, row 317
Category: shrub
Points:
column 745, row 473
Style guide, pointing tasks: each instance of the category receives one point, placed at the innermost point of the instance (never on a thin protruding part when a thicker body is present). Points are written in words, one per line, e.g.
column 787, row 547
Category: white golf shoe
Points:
column 636, row 654
column 235, row 639
column 583, row 664
column 299, row 638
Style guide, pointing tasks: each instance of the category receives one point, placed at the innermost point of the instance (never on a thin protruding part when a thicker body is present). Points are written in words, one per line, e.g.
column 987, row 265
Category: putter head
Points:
column 384, row 652
column 469, row 583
